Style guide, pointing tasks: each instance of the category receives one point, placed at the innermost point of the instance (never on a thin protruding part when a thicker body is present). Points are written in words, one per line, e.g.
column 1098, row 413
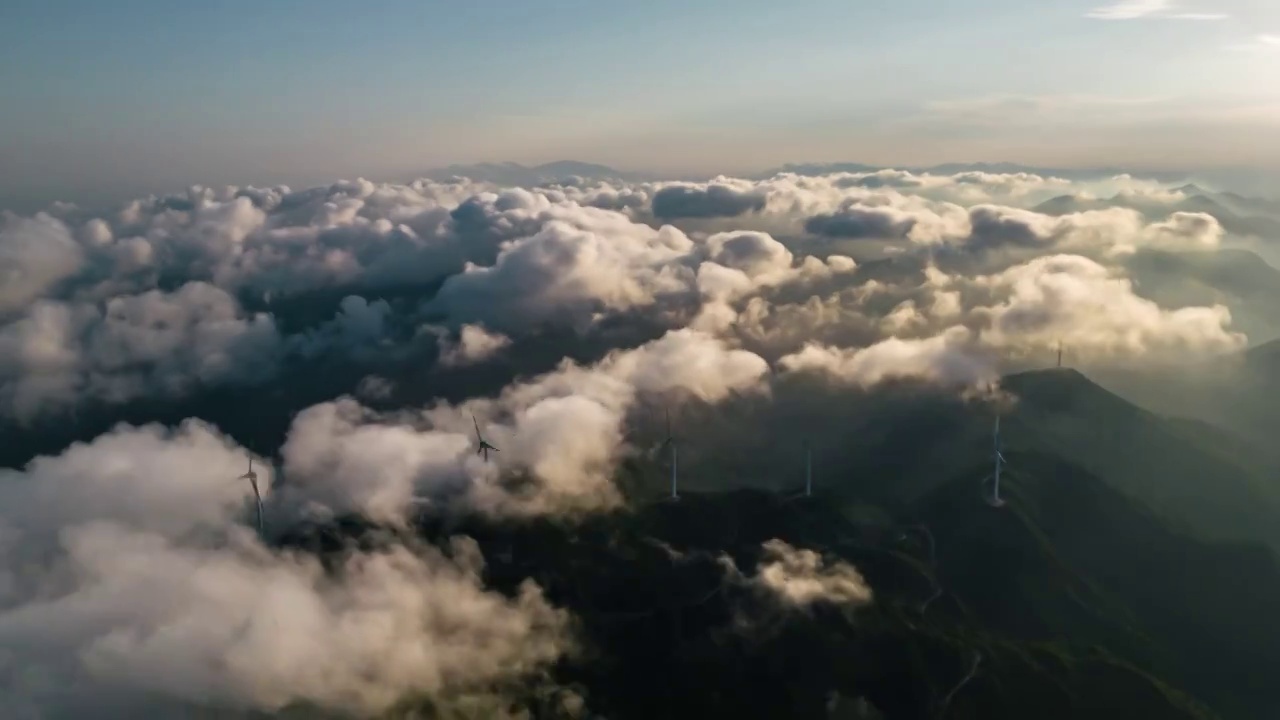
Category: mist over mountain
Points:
column 859, row 327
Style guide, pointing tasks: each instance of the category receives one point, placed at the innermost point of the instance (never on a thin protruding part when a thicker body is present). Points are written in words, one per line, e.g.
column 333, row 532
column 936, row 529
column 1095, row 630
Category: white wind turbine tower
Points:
column 994, row 499
column 670, row 440
column 808, row 469
column 252, row 477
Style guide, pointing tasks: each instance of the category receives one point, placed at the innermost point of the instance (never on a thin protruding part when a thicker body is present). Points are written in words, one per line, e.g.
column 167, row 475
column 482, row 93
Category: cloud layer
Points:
column 553, row 321
column 129, row 586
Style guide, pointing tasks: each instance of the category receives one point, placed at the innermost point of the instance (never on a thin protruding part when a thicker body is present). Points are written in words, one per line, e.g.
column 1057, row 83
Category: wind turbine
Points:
column 484, row 447
column 808, row 469
column 252, row 477
column 994, row 499
column 1059, row 353
column 675, row 458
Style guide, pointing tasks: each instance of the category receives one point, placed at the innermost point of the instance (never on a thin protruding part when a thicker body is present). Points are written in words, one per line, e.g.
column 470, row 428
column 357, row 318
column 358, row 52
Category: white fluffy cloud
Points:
column 60, row 353
column 35, row 254
column 800, row 578
column 474, row 344
column 561, row 432
column 174, row 294
column 127, row 587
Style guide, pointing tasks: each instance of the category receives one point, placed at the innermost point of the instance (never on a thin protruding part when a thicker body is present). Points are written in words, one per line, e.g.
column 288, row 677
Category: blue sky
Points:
column 142, row 95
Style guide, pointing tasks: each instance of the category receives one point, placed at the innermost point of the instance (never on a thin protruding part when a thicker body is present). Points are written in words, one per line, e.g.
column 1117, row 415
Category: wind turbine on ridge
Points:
column 252, row 477
column 484, row 447
column 994, row 499
column 670, row 441
column 808, row 469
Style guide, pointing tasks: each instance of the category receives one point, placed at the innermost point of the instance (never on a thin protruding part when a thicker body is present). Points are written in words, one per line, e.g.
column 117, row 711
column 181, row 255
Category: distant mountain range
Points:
column 509, row 173
column 514, row 174
column 987, row 167
column 1238, row 215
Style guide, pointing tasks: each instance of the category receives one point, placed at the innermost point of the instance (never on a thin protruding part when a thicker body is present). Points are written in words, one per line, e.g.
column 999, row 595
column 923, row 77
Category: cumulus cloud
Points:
column 943, row 358
column 559, row 436
column 60, row 353
column 718, row 199
column 800, row 578
column 211, row 288
column 474, row 344
column 35, row 254
column 127, row 586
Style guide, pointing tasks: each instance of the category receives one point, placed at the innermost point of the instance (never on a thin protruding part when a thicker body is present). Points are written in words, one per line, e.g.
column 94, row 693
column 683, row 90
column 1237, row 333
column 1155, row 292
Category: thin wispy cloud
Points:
column 1264, row 43
column 1135, row 9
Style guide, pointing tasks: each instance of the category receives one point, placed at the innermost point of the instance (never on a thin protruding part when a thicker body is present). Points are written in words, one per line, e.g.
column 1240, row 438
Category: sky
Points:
column 113, row 99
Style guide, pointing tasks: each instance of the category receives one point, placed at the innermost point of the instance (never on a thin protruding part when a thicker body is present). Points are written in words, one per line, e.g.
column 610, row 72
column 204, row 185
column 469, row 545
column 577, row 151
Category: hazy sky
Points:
column 112, row 98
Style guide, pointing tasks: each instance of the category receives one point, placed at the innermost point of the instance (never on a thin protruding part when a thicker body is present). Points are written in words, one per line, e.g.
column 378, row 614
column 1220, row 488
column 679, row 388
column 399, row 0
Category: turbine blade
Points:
column 473, row 422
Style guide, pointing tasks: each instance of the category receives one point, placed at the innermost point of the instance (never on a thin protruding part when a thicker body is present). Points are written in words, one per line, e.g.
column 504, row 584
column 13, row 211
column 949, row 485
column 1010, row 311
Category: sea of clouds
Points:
column 130, row 581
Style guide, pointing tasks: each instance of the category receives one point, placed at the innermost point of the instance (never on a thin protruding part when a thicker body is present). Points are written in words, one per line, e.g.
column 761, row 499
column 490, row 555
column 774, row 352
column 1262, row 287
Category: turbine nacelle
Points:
column 483, row 447
column 252, row 477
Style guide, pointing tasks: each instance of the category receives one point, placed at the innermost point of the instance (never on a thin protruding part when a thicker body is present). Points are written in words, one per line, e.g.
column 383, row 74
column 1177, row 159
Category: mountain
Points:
column 1195, row 481
column 890, row 447
column 1070, row 557
column 1076, row 602
column 514, row 174
column 987, row 167
column 1236, row 278
column 1234, row 393
column 1244, row 220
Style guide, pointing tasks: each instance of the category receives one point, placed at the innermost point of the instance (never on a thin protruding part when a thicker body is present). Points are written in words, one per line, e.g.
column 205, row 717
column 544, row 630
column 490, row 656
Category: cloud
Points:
column 944, row 358
column 35, row 254
column 173, row 296
column 474, row 344
column 1135, row 9
column 128, row 587
column 800, row 578
column 712, row 201
column 58, row 353
column 559, row 436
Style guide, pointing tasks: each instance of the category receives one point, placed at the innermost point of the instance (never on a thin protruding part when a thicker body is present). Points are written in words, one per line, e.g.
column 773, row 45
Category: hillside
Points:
column 1238, row 279
column 1196, row 481
column 1068, row 557
column 1235, row 217
column 1077, row 603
